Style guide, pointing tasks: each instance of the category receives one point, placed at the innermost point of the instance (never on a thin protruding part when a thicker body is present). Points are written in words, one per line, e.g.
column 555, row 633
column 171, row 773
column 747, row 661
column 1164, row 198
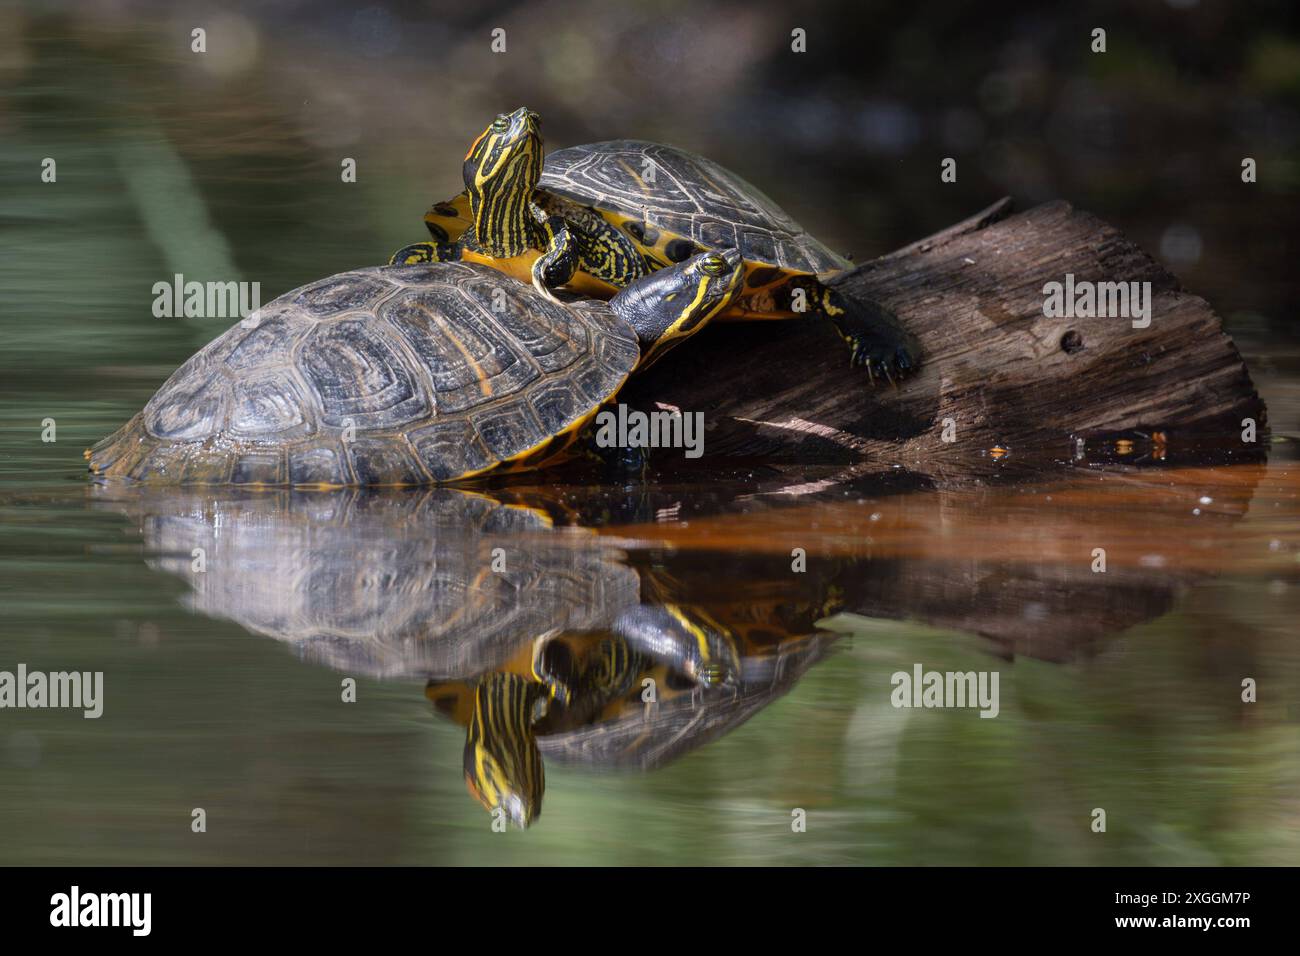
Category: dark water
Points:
column 223, row 687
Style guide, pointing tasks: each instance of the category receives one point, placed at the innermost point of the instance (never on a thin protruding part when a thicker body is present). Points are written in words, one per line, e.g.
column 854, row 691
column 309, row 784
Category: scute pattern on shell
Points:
column 387, row 584
column 691, row 196
column 382, row 376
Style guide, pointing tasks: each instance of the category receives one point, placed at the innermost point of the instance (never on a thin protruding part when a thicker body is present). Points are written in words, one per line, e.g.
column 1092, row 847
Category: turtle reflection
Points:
column 666, row 678
column 438, row 583
column 539, row 640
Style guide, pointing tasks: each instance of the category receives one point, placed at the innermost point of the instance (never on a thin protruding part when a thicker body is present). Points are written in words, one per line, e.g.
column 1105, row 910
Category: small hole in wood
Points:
column 1071, row 342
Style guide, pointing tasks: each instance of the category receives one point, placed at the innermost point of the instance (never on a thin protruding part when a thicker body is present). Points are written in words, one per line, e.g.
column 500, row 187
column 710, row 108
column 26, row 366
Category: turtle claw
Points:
column 887, row 360
column 876, row 338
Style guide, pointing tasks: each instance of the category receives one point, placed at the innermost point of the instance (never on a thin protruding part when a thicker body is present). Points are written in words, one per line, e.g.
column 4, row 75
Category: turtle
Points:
column 668, row 675
column 544, row 656
column 563, row 684
column 600, row 216
column 399, row 585
column 663, row 680
column 408, row 375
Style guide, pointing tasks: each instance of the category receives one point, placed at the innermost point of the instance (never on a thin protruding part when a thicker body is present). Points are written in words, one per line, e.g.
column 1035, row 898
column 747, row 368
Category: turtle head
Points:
column 503, row 765
column 686, row 640
column 668, row 306
column 501, row 171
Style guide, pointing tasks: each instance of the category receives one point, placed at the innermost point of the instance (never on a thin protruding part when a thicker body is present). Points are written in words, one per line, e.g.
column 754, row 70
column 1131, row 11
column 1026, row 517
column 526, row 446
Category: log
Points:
column 1010, row 561
column 1005, row 374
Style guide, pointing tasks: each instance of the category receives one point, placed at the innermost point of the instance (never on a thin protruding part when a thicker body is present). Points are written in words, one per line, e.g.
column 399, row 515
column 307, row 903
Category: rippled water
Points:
column 224, row 687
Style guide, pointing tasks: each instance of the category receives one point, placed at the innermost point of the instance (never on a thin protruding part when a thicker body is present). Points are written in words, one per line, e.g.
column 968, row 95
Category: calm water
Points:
column 223, row 688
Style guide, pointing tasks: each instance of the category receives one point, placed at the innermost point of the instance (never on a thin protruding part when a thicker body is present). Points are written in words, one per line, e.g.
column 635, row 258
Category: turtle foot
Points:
column 883, row 360
column 877, row 341
column 418, row 252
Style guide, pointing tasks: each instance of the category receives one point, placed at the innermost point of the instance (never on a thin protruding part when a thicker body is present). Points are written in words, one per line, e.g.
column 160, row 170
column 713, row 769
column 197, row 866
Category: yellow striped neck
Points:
column 505, row 228
column 501, row 203
column 503, row 766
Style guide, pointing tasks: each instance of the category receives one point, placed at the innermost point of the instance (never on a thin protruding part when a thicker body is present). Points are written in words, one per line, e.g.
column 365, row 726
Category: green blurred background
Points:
column 226, row 164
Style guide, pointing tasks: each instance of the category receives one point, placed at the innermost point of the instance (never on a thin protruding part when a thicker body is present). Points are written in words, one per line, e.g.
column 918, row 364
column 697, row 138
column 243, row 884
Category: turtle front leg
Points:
column 418, row 252
column 558, row 263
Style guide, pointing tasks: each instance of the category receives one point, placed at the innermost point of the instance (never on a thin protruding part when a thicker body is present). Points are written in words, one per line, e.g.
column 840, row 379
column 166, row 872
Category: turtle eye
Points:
column 714, row 265
column 501, row 123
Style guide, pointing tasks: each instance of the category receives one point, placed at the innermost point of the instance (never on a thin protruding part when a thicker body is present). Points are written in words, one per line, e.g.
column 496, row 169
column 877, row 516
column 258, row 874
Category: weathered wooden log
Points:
column 993, row 363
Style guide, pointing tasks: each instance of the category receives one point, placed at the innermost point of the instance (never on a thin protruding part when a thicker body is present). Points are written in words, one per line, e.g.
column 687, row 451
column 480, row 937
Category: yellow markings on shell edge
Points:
column 519, row 461
column 656, row 253
column 538, row 513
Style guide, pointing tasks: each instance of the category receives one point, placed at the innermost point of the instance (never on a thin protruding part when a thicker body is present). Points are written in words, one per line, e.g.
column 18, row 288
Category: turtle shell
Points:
column 397, row 375
column 702, row 204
